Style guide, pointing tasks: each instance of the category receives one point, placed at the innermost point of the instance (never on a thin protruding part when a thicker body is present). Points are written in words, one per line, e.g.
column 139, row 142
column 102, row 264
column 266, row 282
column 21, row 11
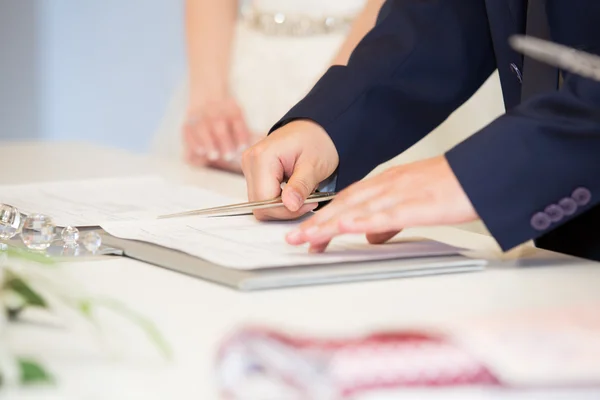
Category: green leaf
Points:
column 147, row 326
column 19, row 286
column 85, row 306
column 32, row 372
column 13, row 313
column 24, row 254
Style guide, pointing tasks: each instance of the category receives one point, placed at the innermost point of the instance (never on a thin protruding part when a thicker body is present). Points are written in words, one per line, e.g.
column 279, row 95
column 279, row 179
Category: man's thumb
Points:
column 299, row 187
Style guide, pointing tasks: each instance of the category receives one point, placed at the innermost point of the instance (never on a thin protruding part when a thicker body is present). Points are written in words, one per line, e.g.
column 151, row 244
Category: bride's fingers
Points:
column 241, row 134
column 192, row 158
column 191, row 142
column 222, row 137
column 203, row 136
column 197, row 161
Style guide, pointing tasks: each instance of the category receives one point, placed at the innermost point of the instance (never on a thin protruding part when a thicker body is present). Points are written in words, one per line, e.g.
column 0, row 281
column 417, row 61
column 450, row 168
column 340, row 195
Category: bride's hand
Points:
column 215, row 134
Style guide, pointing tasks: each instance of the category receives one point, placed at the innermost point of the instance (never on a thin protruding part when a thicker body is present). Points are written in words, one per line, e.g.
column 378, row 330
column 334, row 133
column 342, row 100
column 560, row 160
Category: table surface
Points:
column 195, row 315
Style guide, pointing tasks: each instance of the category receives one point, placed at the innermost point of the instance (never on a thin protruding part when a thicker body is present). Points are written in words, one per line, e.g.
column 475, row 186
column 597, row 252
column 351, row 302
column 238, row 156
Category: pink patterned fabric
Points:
column 255, row 359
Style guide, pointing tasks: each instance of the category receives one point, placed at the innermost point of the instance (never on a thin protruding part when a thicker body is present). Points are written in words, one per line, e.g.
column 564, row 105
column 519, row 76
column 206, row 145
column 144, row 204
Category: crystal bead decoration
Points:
column 70, row 236
column 10, row 221
column 92, row 241
column 37, row 232
column 70, row 251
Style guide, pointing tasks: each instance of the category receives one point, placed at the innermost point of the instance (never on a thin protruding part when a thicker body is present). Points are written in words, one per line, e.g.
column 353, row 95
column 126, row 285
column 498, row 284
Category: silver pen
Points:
column 566, row 58
column 248, row 207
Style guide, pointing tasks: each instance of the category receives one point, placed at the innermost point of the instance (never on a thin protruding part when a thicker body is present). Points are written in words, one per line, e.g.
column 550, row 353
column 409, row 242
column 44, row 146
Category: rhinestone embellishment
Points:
column 280, row 24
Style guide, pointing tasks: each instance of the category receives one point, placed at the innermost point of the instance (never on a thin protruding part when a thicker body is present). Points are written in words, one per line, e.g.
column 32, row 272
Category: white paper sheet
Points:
column 242, row 242
column 128, row 207
column 95, row 201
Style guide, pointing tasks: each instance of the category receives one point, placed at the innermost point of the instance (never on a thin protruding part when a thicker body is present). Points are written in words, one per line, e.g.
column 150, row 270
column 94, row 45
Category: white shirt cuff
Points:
column 328, row 185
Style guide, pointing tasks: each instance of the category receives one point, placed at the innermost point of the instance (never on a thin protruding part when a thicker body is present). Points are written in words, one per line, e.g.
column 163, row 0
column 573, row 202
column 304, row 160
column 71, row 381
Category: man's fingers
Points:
column 404, row 215
column 301, row 151
column 380, row 222
column 361, row 200
column 335, row 225
column 318, row 247
column 349, row 199
column 300, row 185
column 379, row 238
column 422, row 194
column 372, row 238
column 264, row 174
column 282, row 213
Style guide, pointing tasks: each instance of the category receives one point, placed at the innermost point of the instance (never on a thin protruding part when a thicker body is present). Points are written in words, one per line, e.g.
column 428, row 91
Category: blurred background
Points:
column 99, row 71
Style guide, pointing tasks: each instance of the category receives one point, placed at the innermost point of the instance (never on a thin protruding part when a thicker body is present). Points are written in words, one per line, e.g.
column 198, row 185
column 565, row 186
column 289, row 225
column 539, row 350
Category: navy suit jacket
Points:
column 533, row 173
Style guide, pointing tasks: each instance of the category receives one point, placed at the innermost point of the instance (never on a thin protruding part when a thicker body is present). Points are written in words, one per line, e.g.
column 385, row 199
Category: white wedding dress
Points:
column 271, row 72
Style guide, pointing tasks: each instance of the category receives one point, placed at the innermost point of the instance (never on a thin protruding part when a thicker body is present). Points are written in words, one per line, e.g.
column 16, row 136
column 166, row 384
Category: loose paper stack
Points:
column 94, row 202
column 128, row 208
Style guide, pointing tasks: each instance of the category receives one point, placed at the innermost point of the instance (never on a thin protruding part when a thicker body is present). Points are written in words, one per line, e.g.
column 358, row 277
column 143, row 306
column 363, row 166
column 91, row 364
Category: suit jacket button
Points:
column 582, row 196
column 568, row 205
column 554, row 212
column 541, row 221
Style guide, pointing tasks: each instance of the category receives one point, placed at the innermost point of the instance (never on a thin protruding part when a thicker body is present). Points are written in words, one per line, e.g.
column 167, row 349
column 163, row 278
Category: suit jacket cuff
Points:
column 522, row 182
column 329, row 184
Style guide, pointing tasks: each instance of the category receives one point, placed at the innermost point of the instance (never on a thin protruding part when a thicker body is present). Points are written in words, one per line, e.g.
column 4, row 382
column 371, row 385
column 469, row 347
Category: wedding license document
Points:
column 128, row 208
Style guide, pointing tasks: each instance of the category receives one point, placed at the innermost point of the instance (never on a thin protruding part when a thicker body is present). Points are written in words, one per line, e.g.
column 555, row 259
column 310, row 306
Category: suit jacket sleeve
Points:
column 536, row 167
column 421, row 61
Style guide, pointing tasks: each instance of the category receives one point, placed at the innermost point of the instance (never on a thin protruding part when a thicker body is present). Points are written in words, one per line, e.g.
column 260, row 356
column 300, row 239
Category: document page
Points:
column 95, row 201
column 242, row 242
column 128, row 208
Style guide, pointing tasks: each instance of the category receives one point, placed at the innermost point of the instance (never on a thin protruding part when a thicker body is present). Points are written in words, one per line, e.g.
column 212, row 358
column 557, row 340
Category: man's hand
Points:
column 417, row 194
column 300, row 152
